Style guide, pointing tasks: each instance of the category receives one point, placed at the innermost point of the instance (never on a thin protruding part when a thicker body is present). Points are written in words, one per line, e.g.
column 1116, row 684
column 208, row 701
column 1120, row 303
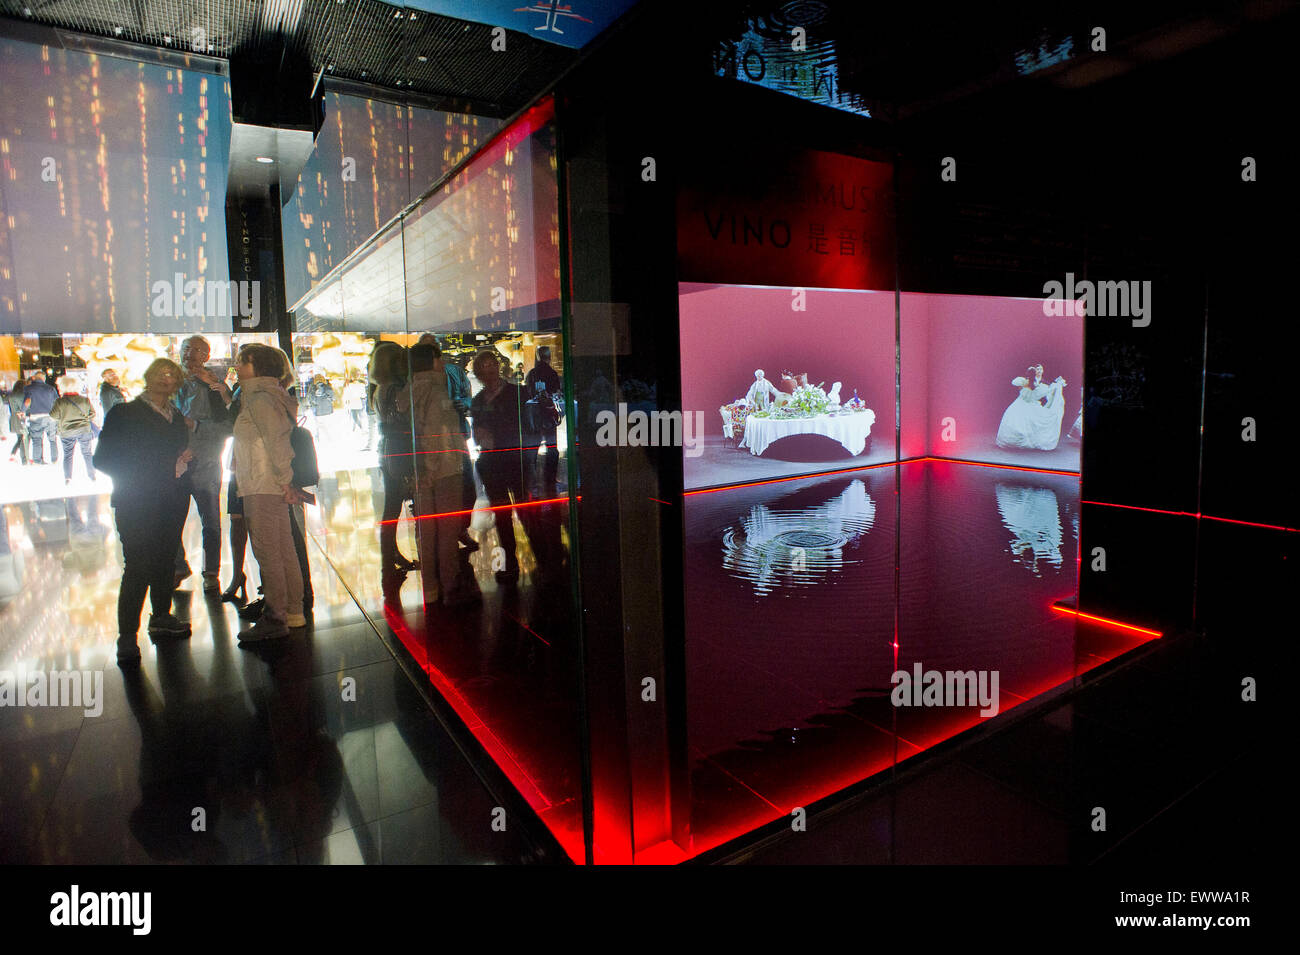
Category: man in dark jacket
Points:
column 110, row 391
column 203, row 398
column 541, row 383
column 38, row 400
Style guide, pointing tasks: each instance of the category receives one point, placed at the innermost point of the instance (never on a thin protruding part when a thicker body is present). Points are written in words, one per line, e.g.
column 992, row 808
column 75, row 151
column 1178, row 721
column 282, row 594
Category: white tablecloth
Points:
column 850, row 429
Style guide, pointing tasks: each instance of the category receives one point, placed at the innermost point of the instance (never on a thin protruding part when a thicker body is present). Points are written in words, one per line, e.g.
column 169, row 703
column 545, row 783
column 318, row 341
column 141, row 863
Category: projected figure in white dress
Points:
column 1033, row 420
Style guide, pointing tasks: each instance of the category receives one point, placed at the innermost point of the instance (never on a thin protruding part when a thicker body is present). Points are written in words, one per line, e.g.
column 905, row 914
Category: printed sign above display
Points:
column 811, row 220
column 573, row 23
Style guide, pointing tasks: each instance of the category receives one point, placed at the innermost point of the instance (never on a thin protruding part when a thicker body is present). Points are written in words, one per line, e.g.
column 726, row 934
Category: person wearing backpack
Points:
column 74, row 420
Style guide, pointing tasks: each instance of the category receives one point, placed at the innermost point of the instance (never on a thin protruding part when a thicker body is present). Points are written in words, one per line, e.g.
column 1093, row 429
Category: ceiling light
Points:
column 265, row 159
column 423, row 59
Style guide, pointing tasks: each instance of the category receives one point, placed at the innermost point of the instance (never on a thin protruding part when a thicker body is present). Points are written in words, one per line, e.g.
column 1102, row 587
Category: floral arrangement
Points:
column 808, row 401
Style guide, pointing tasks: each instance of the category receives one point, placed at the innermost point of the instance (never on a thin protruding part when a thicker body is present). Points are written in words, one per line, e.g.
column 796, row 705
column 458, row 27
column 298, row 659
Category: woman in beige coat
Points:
column 264, row 473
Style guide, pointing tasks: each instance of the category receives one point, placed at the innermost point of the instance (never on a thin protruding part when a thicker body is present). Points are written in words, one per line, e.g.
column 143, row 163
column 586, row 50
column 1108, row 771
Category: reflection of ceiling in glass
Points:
column 772, row 547
column 783, row 51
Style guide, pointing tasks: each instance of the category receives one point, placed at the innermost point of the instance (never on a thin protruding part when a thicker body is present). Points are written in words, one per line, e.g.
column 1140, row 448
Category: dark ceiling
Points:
column 382, row 44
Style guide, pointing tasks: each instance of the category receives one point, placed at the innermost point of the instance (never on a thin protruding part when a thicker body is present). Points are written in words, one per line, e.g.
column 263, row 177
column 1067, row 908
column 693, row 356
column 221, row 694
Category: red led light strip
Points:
column 1106, row 621
column 1208, row 517
column 473, row 510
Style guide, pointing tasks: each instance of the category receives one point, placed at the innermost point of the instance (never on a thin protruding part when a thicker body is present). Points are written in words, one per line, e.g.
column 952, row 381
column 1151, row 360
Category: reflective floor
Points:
column 317, row 749
column 794, row 632
column 321, row 750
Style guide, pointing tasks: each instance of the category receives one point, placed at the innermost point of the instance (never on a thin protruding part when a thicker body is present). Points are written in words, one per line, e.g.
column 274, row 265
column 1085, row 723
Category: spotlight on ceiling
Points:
column 264, row 159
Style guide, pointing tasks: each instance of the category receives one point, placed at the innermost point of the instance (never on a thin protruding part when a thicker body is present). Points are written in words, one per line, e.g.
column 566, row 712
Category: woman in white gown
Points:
column 1033, row 421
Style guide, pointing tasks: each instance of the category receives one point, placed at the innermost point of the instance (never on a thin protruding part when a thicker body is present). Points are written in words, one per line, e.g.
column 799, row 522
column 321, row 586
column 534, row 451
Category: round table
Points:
column 849, row 428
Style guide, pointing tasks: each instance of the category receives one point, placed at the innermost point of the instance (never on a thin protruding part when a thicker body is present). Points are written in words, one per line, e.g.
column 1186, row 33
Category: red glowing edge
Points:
column 1208, row 517
column 1106, row 620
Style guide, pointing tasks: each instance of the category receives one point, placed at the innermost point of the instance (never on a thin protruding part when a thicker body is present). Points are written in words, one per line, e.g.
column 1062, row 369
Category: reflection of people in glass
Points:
column 1033, row 420
column 496, row 410
column 1032, row 515
column 388, row 372
column 440, row 449
column 143, row 449
column 458, row 389
column 543, row 382
column 354, row 401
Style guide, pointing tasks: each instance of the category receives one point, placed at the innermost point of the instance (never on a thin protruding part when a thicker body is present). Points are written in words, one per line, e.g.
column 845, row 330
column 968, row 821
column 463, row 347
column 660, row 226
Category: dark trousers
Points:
column 551, row 460
column 150, row 531
column 207, row 500
column 70, row 444
column 20, row 444
column 38, row 428
column 502, row 476
column 394, row 498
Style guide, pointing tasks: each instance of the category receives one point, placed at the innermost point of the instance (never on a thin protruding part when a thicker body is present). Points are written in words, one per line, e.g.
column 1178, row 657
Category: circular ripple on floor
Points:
column 773, row 548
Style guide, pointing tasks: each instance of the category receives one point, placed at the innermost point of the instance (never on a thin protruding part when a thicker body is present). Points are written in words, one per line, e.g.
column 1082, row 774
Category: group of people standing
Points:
column 39, row 414
column 164, row 448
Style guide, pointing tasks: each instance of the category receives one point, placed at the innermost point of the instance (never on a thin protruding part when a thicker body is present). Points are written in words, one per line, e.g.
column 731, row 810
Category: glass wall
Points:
column 434, row 376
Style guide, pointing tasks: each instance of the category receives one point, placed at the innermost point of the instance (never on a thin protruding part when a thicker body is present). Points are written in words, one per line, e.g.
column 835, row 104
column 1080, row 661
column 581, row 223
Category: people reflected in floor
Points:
column 183, row 745
column 388, row 373
column 1032, row 515
column 222, row 782
column 203, row 399
column 143, row 448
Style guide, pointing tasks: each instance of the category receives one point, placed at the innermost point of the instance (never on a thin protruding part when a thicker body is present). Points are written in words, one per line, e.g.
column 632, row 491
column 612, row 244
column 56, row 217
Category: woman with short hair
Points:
column 143, row 449
column 263, row 460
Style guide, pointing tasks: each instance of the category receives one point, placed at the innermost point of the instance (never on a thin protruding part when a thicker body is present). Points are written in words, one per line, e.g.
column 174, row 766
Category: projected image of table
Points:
column 850, row 429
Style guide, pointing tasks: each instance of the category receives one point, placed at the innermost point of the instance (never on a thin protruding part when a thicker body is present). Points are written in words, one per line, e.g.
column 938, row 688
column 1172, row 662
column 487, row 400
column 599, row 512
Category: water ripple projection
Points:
column 773, row 548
